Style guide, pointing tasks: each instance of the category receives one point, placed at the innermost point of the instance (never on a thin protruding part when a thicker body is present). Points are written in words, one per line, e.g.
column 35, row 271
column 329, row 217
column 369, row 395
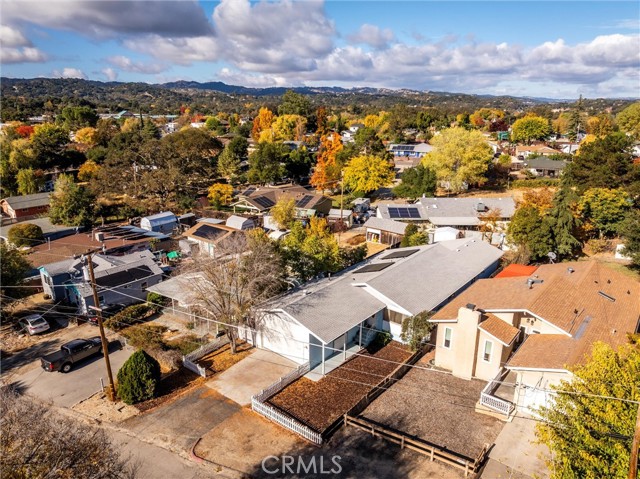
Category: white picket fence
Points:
column 189, row 361
column 259, row 405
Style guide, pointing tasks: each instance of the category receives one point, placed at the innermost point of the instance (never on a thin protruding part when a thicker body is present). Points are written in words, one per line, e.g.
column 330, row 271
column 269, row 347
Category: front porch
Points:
column 333, row 362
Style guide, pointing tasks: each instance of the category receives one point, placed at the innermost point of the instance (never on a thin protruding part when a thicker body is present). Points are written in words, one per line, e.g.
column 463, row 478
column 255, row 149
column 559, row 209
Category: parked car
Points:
column 70, row 353
column 107, row 312
column 34, row 324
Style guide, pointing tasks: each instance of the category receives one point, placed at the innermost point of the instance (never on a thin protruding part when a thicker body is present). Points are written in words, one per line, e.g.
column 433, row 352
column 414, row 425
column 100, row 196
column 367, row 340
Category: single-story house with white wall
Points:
column 205, row 235
column 531, row 329
column 330, row 315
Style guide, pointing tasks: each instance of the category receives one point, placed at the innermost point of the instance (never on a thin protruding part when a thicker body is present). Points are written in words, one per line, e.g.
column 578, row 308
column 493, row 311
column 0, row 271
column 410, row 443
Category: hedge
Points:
column 138, row 378
column 129, row 315
column 535, row 183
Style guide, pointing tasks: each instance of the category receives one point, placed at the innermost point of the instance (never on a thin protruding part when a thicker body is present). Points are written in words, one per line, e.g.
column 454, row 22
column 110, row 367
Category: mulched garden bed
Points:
column 171, row 386
column 222, row 359
column 319, row 403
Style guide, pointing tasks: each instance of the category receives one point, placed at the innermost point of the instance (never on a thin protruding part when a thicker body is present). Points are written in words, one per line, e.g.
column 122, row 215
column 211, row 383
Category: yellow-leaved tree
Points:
column 327, row 171
column 367, row 173
column 220, row 194
column 261, row 122
column 460, row 158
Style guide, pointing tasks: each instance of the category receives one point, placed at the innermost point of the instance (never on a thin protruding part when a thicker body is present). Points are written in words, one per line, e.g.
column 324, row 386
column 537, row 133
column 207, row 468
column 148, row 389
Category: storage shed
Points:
column 164, row 222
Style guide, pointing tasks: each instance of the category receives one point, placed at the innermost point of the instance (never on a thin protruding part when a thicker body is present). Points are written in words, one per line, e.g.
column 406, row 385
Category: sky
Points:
column 523, row 48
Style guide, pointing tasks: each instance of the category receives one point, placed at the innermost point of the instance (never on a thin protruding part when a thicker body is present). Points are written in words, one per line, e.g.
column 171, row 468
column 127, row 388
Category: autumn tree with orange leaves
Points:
column 327, row 171
column 261, row 122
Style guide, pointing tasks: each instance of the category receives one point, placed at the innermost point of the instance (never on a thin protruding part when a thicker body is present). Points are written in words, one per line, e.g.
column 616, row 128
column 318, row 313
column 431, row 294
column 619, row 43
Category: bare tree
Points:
column 246, row 271
column 37, row 442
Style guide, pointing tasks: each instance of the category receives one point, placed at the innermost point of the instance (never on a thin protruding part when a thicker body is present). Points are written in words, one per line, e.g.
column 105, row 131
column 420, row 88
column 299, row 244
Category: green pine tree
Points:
column 562, row 222
column 138, row 378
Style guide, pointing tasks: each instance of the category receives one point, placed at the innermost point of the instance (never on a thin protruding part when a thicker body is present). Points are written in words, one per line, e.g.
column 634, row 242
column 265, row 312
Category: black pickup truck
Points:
column 70, row 353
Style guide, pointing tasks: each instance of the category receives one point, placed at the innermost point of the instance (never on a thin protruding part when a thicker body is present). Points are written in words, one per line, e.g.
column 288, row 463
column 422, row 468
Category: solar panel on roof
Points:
column 404, row 213
column 248, row 191
column 263, row 201
column 373, row 267
column 402, row 253
column 208, row 232
column 304, row 201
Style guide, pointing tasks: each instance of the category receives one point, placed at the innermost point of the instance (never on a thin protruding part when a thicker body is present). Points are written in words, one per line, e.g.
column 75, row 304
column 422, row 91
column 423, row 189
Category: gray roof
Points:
column 160, row 218
column 179, row 288
column 28, row 201
column 420, row 281
column 238, row 222
column 383, row 224
column 326, row 308
column 44, row 223
column 541, row 163
column 426, row 279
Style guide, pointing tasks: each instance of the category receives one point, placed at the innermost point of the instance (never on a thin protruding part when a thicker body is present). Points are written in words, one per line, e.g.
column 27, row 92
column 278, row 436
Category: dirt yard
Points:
column 101, row 408
column 319, row 404
column 438, row 408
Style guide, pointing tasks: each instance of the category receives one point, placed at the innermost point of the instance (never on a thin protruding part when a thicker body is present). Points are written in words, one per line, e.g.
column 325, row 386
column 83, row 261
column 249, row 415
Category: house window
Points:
column 448, row 332
column 488, row 346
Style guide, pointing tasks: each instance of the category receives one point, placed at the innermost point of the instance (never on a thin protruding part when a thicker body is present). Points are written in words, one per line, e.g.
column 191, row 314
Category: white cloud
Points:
column 373, row 36
column 128, row 65
column 69, row 72
column 109, row 73
column 235, row 77
column 109, row 19
column 17, row 48
column 181, row 51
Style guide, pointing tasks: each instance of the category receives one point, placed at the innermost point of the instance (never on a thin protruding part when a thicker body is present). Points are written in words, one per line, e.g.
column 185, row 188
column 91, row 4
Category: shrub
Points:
column 128, row 316
column 25, row 234
column 157, row 300
column 145, row 336
column 598, row 245
column 169, row 360
column 186, row 344
column 138, row 378
column 536, row 183
column 381, row 340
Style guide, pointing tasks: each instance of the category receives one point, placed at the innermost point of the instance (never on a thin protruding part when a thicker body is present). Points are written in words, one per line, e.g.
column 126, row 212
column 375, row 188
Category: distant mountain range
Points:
column 26, row 97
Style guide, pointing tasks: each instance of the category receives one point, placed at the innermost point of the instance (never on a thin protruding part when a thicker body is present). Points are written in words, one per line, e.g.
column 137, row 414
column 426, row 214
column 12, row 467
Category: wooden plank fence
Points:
column 259, row 405
column 435, row 453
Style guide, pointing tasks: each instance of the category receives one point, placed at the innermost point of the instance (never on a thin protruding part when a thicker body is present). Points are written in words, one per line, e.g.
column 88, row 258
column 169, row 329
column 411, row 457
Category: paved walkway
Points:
column 251, row 375
column 515, row 454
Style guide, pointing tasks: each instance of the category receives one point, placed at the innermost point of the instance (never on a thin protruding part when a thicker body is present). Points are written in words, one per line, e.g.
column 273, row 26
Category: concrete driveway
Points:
column 251, row 375
column 178, row 424
column 65, row 390
column 516, row 455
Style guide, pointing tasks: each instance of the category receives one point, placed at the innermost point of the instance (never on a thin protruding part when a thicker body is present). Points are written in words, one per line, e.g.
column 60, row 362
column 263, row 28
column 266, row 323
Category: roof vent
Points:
column 570, row 270
column 531, row 282
column 471, row 306
column 305, row 292
column 481, row 207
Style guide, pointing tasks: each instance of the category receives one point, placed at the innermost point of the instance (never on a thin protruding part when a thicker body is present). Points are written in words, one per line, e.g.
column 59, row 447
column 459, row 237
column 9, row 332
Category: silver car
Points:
column 34, row 324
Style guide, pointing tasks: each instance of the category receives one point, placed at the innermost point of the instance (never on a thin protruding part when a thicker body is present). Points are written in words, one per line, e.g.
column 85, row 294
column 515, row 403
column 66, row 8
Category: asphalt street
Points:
column 82, row 381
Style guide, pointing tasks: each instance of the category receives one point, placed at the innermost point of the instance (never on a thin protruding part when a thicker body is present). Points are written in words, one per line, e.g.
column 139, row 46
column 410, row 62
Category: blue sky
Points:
column 543, row 48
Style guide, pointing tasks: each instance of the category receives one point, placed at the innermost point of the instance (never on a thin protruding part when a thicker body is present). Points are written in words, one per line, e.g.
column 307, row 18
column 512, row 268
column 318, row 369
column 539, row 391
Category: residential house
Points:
column 460, row 213
column 530, row 329
column 261, row 199
column 205, row 235
column 115, row 240
column 26, row 206
column 415, row 150
column 535, row 150
column 541, row 166
column 384, row 231
column 332, row 315
column 119, row 280
column 164, row 222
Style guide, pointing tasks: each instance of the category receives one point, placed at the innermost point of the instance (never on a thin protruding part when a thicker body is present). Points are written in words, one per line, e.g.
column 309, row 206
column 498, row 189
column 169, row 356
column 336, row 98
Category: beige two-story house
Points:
column 523, row 334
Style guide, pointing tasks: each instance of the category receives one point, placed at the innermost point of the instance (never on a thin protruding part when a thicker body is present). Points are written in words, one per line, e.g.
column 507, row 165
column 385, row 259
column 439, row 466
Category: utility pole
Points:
column 105, row 345
column 635, row 445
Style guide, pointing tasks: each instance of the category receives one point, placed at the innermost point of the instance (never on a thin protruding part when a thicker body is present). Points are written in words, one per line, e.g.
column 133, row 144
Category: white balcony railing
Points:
column 494, row 402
